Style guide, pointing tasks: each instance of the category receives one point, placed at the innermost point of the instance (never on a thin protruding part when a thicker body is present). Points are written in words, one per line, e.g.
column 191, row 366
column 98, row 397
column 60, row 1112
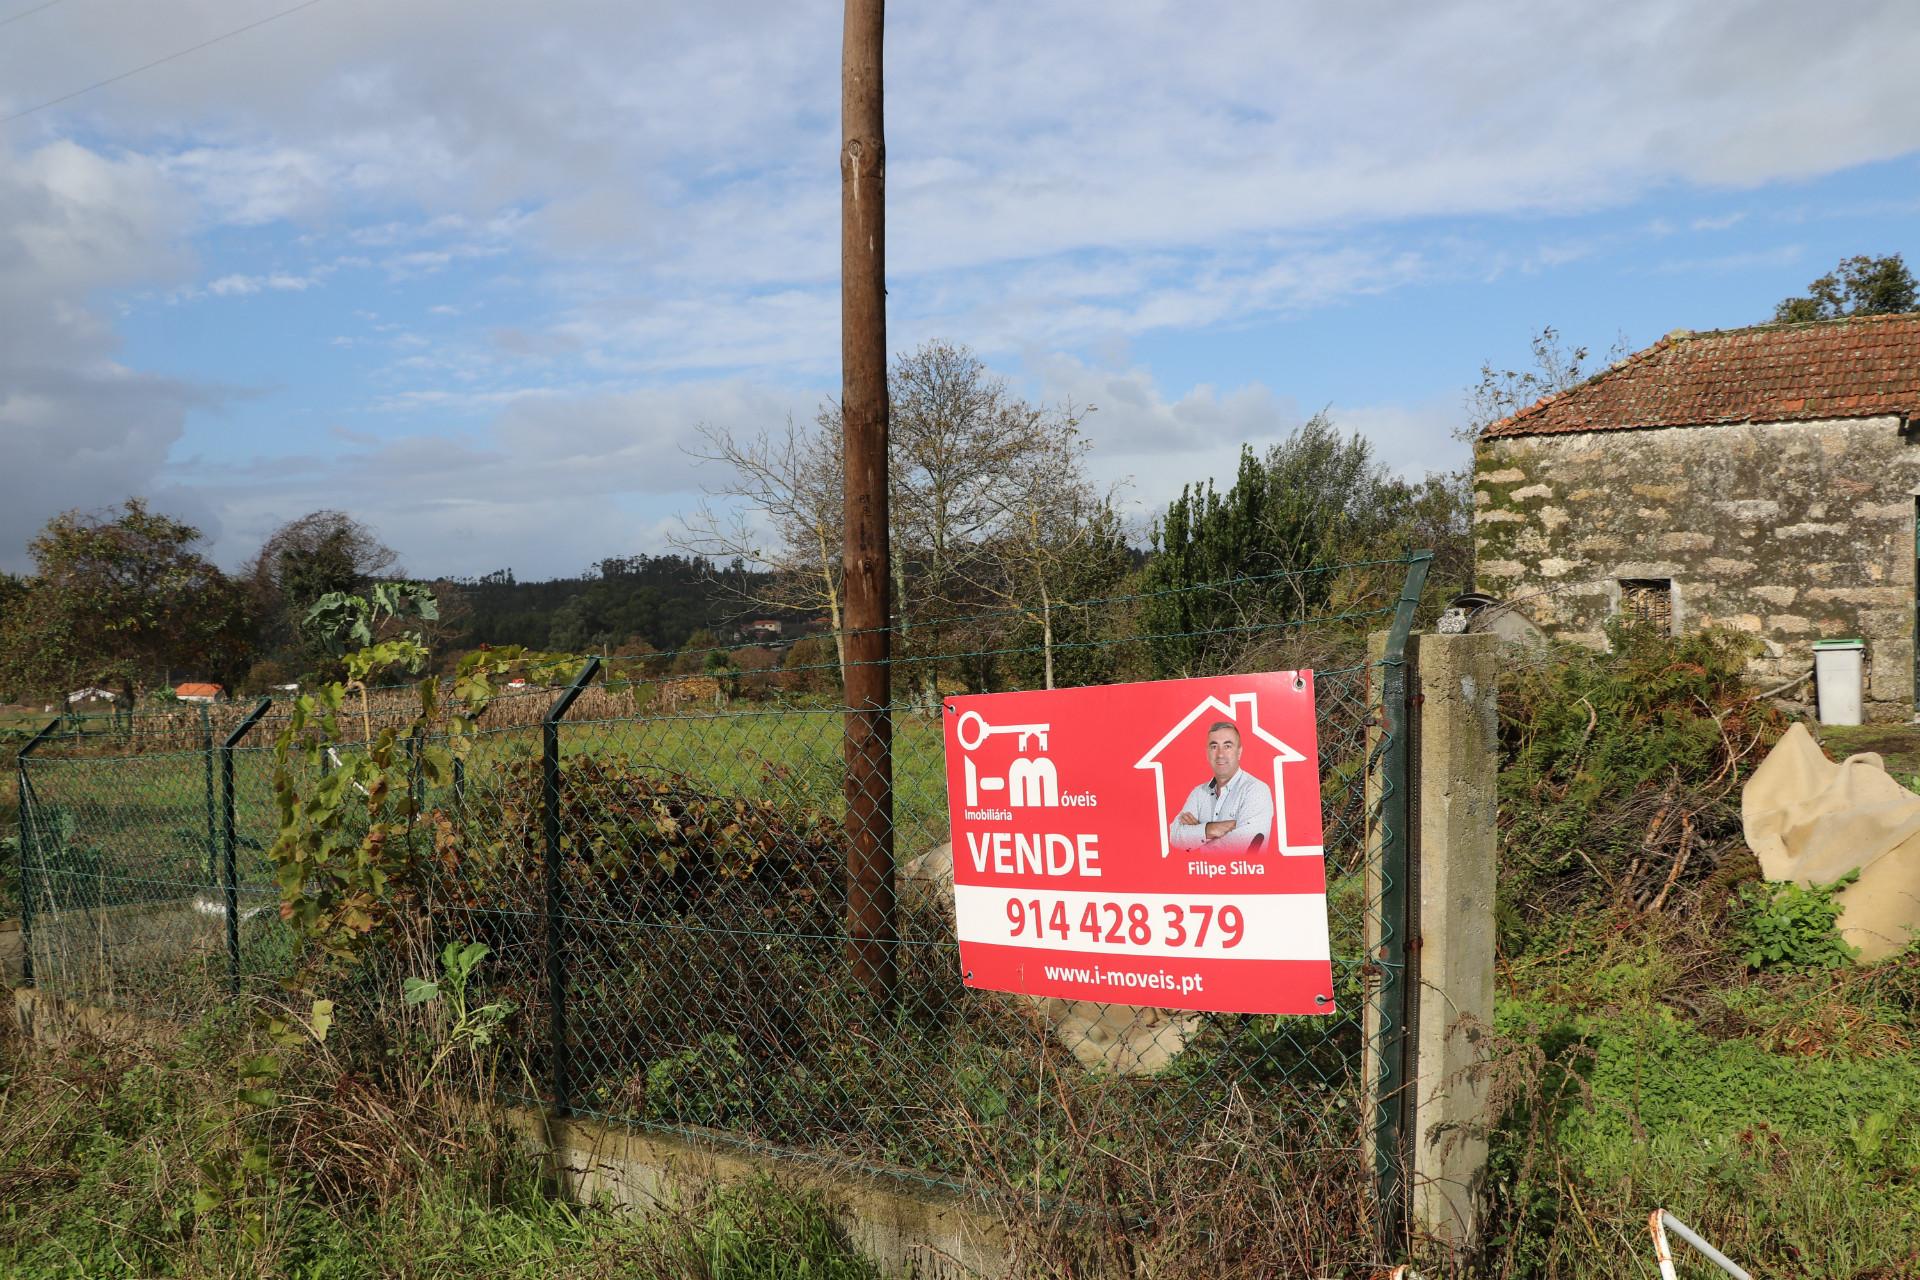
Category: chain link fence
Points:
column 657, row 867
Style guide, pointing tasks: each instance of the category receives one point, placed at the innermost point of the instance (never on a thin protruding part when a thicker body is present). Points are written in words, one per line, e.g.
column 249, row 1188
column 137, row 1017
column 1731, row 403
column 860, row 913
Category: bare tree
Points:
column 1050, row 522
column 970, row 462
column 1556, row 368
column 989, row 502
column 779, row 512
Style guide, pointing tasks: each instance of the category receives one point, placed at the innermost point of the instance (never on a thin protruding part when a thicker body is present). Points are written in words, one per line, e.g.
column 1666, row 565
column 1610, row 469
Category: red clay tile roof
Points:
column 1857, row 368
column 191, row 690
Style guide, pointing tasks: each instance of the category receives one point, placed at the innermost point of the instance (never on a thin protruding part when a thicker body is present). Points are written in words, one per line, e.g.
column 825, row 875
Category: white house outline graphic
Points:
column 1283, row 755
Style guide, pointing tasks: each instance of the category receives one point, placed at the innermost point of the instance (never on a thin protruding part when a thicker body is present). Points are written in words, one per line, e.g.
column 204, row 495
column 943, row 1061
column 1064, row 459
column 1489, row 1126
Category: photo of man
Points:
column 1232, row 811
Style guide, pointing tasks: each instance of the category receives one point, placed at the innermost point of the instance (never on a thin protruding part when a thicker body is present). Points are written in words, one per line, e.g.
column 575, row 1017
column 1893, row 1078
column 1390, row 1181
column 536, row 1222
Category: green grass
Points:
column 790, row 756
column 1897, row 744
column 117, row 1162
column 1778, row 1114
column 146, row 818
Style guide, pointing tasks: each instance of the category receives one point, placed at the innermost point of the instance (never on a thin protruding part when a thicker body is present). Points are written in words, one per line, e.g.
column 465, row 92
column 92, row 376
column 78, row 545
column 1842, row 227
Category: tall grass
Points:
column 127, row 1160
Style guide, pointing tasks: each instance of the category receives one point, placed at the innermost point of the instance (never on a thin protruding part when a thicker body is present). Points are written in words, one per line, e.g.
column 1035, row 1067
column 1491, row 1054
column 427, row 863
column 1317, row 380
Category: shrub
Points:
column 811, row 666
column 638, row 844
column 1783, row 926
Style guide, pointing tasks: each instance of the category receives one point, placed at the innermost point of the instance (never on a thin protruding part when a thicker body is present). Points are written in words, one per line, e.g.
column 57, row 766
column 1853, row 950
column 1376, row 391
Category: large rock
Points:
column 1128, row 1039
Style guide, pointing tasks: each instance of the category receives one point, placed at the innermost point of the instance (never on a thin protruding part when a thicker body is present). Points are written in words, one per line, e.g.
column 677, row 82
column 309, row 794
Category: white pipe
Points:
column 1658, row 1223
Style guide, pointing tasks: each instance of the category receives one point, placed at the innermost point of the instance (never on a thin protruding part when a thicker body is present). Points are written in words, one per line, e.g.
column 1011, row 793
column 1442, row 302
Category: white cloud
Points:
column 558, row 477
column 241, row 285
column 1154, row 442
column 1745, row 263
column 1720, row 223
column 80, row 429
column 659, row 181
column 554, row 480
column 1015, row 130
column 1410, row 439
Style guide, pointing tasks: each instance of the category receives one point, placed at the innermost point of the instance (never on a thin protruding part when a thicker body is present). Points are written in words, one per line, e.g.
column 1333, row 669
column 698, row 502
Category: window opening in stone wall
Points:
column 1648, row 602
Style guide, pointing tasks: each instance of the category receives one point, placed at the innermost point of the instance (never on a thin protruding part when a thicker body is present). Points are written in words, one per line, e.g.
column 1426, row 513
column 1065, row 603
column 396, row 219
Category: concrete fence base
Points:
column 921, row 1232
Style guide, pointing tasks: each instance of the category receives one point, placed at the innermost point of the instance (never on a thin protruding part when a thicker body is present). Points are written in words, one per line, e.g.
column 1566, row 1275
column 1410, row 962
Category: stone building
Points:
column 1764, row 479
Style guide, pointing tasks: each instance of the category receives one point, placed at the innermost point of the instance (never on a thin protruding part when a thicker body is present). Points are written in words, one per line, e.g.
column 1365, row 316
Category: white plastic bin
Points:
column 1836, row 673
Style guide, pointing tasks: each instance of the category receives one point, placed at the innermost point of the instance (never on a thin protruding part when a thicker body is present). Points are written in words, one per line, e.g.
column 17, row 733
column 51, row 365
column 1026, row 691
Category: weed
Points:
column 1785, row 926
column 1640, row 1063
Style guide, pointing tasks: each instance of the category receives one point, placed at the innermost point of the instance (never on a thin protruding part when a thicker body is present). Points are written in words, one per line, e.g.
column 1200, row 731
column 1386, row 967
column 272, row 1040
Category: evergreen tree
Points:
column 1859, row 286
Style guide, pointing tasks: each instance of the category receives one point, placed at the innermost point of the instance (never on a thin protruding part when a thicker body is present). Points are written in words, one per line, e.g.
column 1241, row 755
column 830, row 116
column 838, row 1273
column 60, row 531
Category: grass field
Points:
column 149, row 816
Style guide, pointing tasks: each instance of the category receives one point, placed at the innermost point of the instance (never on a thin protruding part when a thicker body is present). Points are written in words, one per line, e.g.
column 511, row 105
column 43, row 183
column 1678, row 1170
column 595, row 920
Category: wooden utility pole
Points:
column 863, row 415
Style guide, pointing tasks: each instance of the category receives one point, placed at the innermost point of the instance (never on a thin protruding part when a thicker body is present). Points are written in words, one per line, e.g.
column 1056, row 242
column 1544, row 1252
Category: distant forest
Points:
column 664, row 601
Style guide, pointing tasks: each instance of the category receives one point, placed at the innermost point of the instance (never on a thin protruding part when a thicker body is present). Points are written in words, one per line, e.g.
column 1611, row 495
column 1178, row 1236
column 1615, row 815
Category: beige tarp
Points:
column 1810, row 820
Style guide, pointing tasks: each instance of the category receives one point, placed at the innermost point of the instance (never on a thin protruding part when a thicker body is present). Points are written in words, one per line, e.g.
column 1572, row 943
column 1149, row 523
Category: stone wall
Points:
column 1793, row 532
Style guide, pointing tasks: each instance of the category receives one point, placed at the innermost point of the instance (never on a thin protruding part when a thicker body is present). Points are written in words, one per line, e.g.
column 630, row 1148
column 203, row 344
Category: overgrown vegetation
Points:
column 1789, row 926
column 1620, row 777
column 118, row 1159
column 1315, row 499
column 1671, row 1031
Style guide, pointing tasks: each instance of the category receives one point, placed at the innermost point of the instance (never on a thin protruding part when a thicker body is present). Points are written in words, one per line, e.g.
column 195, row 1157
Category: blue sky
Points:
column 475, row 272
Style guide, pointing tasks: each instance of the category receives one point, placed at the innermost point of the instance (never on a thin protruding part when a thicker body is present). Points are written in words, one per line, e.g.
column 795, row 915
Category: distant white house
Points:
column 92, row 695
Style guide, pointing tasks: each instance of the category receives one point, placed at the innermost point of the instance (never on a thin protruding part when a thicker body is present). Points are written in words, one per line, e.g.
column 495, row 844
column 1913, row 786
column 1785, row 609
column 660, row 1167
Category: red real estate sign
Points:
column 1143, row 844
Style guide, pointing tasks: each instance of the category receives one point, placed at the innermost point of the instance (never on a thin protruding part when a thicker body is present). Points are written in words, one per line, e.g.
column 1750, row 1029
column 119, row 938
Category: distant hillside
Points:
column 661, row 600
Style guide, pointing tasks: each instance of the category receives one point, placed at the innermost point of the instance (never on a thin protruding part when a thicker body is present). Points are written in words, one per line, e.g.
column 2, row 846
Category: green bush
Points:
column 1783, row 926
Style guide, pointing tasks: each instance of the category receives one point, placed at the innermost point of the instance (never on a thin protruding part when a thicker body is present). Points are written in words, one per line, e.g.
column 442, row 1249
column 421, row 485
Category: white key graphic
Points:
column 983, row 731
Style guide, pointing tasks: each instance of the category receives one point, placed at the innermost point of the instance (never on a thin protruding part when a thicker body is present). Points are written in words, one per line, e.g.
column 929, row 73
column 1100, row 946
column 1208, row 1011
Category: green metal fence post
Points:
column 1390, row 1110
column 555, row 886
column 460, row 773
column 213, row 837
column 231, row 870
column 27, row 851
column 415, row 791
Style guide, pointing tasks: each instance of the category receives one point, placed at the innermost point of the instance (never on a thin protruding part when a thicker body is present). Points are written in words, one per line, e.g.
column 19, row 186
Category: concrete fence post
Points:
column 1452, row 867
column 1457, row 770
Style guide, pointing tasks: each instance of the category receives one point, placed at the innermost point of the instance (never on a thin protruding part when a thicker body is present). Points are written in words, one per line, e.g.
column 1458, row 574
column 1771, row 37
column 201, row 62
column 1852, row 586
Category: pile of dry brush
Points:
column 1621, row 774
